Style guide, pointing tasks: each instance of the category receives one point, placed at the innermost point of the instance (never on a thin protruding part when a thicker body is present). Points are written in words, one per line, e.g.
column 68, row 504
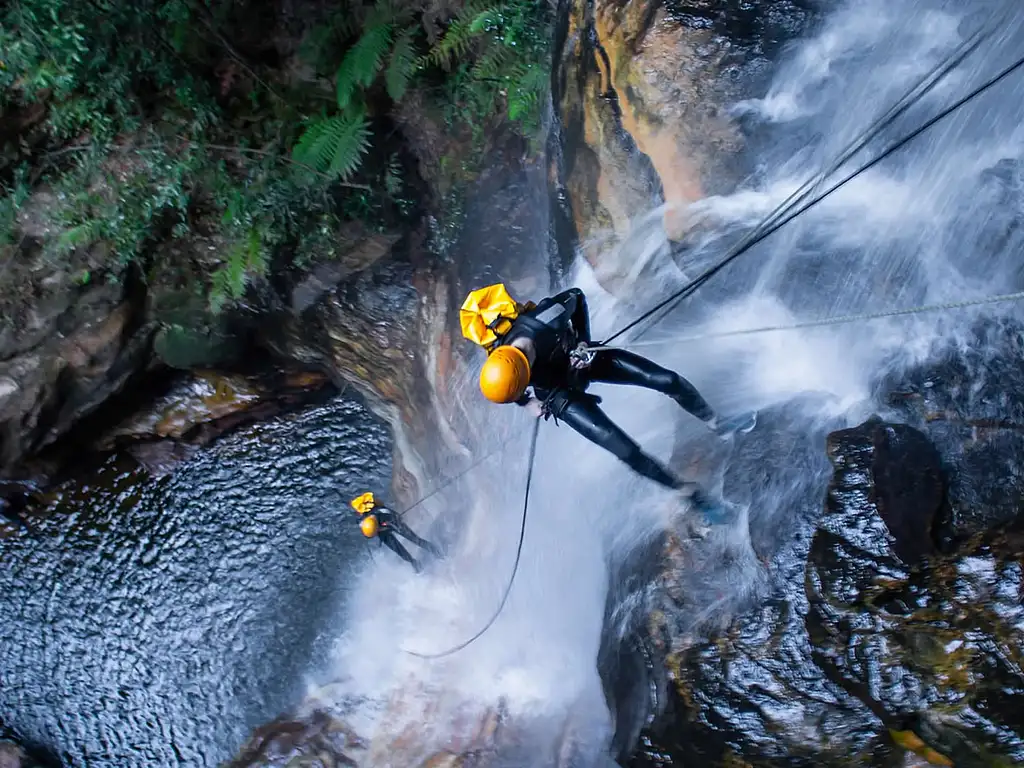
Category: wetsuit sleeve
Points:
column 575, row 301
column 524, row 400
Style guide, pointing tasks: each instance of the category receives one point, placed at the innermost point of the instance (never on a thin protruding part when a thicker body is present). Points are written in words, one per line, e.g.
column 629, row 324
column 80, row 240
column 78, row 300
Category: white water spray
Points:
column 915, row 230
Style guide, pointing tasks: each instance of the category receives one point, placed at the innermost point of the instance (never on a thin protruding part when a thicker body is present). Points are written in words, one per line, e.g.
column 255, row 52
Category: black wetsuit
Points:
column 556, row 326
column 391, row 526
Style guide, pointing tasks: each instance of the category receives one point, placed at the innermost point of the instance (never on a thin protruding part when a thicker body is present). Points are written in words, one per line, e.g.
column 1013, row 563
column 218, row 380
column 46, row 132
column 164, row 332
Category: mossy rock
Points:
column 188, row 347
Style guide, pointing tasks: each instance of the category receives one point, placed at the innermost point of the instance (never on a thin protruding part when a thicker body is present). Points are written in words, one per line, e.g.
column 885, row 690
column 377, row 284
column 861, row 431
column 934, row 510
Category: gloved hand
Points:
column 582, row 356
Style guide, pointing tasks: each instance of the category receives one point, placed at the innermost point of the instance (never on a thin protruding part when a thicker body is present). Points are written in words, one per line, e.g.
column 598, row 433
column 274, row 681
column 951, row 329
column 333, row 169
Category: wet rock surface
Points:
column 640, row 91
column 886, row 640
column 468, row 736
column 142, row 618
column 970, row 403
column 12, row 756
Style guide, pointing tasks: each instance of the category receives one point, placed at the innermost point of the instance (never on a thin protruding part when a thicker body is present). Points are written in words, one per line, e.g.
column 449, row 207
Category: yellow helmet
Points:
column 480, row 313
column 368, row 525
column 505, row 375
column 363, row 503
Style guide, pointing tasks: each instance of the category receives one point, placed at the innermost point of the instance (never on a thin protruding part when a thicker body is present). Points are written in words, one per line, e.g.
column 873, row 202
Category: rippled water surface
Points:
column 158, row 621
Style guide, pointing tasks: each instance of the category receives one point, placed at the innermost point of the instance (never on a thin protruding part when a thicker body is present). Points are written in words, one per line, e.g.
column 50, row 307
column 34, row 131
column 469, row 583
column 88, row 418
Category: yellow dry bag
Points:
column 364, row 503
column 487, row 313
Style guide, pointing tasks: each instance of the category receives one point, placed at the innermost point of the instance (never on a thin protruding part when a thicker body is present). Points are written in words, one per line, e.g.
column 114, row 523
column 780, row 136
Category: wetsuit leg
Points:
column 404, row 530
column 584, row 415
column 391, row 542
column 619, row 366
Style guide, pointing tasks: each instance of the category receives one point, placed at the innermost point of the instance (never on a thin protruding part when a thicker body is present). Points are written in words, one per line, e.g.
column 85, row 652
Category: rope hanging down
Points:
column 840, row 320
column 515, row 565
column 762, row 231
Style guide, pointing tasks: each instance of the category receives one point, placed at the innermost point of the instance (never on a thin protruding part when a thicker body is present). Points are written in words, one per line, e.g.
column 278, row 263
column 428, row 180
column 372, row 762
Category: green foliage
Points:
column 123, row 199
column 361, row 64
column 156, row 134
column 150, row 150
column 334, row 146
column 402, row 65
column 494, row 55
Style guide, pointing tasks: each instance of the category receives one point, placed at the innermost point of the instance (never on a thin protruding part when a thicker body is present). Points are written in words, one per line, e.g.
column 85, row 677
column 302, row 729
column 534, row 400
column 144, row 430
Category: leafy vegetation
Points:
column 160, row 123
column 492, row 57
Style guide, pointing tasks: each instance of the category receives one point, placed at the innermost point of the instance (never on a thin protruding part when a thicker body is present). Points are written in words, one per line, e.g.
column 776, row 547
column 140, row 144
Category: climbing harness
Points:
column 778, row 218
column 581, row 357
column 773, row 223
column 515, row 565
column 840, row 320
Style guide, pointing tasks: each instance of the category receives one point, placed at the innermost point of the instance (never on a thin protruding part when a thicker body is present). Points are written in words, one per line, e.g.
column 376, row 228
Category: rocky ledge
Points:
column 902, row 643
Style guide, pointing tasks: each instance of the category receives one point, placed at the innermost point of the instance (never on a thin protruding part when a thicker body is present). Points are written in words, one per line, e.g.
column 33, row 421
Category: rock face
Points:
column 902, row 642
column 66, row 343
column 390, row 330
column 639, row 89
column 971, row 404
column 627, row 86
column 12, row 756
column 318, row 736
column 79, row 352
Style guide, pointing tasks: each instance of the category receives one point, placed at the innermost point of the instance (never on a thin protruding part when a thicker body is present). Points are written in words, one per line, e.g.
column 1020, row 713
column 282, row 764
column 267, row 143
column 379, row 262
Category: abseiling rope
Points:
column 839, row 320
column 515, row 565
column 763, row 231
column 452, row 479
column 911, row 97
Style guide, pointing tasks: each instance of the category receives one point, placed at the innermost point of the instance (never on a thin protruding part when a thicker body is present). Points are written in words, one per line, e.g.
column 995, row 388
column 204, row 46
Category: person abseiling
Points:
column 381, row 523
column 545, row 347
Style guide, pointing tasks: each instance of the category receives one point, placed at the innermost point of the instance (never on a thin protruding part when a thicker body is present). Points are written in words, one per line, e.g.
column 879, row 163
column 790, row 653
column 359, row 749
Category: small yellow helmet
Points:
column 368, row 525
column 363, row 503
column 505, row 375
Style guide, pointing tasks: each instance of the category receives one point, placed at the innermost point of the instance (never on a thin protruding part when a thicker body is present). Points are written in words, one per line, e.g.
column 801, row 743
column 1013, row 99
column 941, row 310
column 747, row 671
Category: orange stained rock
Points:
column 637, row 69
column 209, row 397
column 913, row 743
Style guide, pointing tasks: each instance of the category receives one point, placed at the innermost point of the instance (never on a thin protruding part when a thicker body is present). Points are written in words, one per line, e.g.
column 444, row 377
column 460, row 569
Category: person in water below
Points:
column 546, row 347
column 381, row 523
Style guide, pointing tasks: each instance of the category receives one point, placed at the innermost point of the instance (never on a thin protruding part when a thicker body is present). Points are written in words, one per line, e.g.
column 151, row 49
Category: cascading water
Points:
column 921, row 228
column 933, row 223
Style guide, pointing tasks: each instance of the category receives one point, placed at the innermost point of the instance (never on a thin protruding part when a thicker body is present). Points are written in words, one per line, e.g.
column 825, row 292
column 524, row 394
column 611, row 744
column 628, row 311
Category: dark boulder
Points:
column 885, row 647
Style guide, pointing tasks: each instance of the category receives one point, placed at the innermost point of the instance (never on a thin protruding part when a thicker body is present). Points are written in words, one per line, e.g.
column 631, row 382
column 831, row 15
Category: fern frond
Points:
column 401, row 66
column 219, row 289
column 486, row 19
column 235, row 271
column 453, row 44
column 525, row 91
column 335, row 146
column 255, row 260
column 306, row 151
column 492, row 64
column 362, row 62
